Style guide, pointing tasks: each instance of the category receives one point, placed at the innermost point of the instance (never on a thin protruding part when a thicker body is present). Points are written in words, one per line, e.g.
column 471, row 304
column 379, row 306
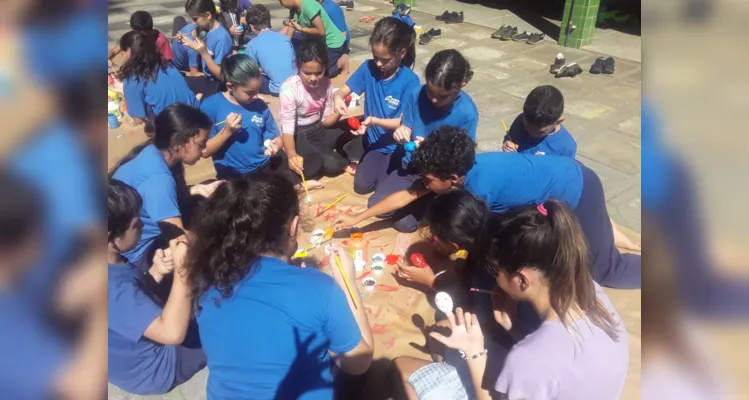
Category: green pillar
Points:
column 584, row 16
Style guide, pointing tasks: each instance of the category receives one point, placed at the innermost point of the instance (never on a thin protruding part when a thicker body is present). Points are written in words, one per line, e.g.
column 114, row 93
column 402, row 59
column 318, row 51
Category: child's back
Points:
column 559, row 143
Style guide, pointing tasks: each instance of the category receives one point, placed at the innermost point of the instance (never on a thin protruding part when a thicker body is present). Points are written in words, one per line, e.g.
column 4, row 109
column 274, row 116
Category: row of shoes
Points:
column 450, row 17
column 561, row 69
column 508, row 32
column 348, row 4
column 427, row 37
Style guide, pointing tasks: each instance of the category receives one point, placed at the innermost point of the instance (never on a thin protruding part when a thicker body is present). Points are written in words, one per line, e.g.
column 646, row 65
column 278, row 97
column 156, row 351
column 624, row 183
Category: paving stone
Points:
column 481, row 53
column 614, row 149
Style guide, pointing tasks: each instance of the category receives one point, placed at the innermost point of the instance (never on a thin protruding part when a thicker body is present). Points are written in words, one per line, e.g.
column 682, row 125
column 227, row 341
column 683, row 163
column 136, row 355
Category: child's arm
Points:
column 317, row 27
column 330, row 116
column 389, row 204
column 233, row 123
column 213, row 68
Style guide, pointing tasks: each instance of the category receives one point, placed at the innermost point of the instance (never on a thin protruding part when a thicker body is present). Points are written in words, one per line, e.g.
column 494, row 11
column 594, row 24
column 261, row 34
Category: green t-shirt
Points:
column 310, row 9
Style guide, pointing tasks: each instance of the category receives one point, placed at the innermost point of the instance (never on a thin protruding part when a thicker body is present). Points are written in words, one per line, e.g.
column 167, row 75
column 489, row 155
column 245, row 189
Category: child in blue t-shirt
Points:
column 150, row 82
column 272, row 50
column 538, row 130
column 148, row 350
column 386, row 79
column 212, row 44
column 245, row 137
column 339, row 20
column 440, row 102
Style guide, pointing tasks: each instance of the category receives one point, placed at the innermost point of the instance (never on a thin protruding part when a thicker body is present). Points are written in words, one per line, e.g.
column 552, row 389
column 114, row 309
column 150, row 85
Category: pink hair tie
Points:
column 542, row 210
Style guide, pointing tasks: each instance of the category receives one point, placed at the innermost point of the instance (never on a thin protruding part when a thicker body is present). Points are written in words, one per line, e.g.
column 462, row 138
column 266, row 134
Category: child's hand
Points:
column 233, row 30
column 347, row 264
column 505, row 309
column 205, row 190
column 402, row 135
column 197, row 45
column 509, row 147
column 423, row 275
column 295, row 25
column 234, row 122
column 363, row 126
column 163, row 262
column 271, row 149
column 344, row 221
column 339, row 105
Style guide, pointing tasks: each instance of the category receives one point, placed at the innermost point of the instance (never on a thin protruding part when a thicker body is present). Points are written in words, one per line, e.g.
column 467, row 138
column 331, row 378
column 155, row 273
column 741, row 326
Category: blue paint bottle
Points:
column 114, row 123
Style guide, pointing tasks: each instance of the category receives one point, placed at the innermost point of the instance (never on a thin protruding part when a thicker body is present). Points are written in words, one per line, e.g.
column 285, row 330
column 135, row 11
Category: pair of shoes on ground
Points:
column 402, row 9
column 450, row 17
column 427, row 37
column 603, row 66
column 561, row 69
column 508, row 32
column 348, row 4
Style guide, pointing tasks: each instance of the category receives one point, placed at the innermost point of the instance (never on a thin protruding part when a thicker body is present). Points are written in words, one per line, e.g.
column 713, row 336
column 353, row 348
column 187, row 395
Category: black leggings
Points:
column 331, row 149
column 198, row 84
column 278, row 164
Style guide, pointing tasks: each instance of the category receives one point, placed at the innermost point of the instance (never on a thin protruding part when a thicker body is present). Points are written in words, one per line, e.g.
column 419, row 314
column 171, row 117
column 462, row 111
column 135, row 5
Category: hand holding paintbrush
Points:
column 509, row 145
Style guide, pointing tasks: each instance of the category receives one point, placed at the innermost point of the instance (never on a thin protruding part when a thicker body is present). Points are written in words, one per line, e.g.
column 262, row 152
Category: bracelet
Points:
column 439, row 273
column 475, row 356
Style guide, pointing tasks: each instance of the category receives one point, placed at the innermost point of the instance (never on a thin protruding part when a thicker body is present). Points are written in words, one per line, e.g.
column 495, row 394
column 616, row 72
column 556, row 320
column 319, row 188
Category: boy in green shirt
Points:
column 308, row 17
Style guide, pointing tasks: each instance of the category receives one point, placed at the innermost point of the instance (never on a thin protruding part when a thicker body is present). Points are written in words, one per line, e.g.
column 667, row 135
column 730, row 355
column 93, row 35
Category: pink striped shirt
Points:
column 302, row 105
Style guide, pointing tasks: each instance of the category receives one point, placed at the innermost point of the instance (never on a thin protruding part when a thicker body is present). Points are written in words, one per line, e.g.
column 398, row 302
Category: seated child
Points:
column 213, row 44
column 311, row 139
column 147, row 355
column 150, row 82
column 339, row 20
column 537, row 255
column 308, row 18
column 141, row 21
column 231, row 18
column 386, row 80
column 249, row 140
column 538, row 130
column 273, row 51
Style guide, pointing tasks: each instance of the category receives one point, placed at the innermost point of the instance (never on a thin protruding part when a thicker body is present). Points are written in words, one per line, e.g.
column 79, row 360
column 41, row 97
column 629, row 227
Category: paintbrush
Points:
column 345, row 280
column 482, row 291
column 507, row 131
column 219, row 123
column 304, row 183
column 338, row 200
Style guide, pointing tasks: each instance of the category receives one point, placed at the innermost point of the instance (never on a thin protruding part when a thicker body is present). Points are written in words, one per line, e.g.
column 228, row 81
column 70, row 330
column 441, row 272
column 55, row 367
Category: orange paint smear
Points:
column 390, row 343
column 378, row 329
column 386, row 288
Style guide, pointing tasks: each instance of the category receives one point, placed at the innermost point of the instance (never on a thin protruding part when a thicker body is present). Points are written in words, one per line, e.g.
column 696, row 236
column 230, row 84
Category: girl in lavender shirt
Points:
column 538, row 255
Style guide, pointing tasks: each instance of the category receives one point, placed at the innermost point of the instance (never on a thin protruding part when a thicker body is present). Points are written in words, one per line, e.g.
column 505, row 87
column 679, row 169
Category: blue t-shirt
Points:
column 271, row 338
column 422, row 117
column 336, row 15
column 506, row 180
column 136, row 364
column 244, row 151
column 219, row 44
column 185, row 57
column 274, row 53
column 150, row 176
column 560, row 143
column 383, row 99
column 169, row 87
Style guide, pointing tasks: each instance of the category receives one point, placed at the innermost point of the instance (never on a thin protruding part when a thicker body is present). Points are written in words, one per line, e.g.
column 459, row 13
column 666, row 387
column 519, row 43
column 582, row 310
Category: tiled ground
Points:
column 603, row 111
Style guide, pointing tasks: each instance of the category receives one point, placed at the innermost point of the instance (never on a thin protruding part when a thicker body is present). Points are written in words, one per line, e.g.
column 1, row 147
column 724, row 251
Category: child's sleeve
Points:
column 472, row 123
column 409, row 107
column 193, row 58
column 357, row 82
column 339, row 324
column 311, row 10
column 572, row 149
column 328, row 101
column 271, row 129
column 209, row 109
column 134, row 98
column 287, row 111
column 221, row 49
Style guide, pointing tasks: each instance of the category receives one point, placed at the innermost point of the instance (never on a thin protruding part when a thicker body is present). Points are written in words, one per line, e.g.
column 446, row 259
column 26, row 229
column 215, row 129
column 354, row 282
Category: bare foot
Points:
column 311, row 185
column 351, row 168
column 343, row 64
column 622, row 241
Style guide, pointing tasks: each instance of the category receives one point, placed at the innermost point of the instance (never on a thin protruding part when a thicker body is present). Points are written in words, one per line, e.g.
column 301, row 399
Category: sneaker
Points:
column 403, row 9
column 534, row 38
column 520, row 37
column 498, row 33
column 445, row 15
column 597, row 66
column 346, row 4
column 508, row 33
column 558, row 64
column 425, row 38
column 570, row 70
column 435, row 32
column 608, row 66
column 350, row 6
column 455, row 18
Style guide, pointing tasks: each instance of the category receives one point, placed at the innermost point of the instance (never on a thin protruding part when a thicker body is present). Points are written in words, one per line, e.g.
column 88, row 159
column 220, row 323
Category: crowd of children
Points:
column 213, row 260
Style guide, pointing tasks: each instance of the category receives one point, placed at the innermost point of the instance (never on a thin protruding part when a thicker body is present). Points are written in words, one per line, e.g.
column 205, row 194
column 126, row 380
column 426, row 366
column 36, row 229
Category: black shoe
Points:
column 558, row 64
column 508, row 33
column 608, row 66
column 434, row 32
column 498, row 33
column 534, row 38
column 425, row 38
column 350, row 6
column 346, row 4
column 445, row 15
column 597, row 66
column 570, row 70
column 455, row 18
column 520, row 37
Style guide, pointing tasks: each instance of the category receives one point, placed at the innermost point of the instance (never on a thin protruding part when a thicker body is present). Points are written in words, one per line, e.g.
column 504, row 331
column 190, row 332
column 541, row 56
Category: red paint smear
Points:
column 364, row 275
column 392, row 259
column 374, row 238
column 390, row 343
column 379, row 312
column 378, row 329
column 386, row 288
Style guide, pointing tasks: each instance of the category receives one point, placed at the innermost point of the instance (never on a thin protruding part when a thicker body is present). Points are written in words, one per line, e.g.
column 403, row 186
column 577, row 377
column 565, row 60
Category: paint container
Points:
column 114, row 123
column 113, row 108
column 369, row 283
column 241, row 51
column 357, row 246
column 379, row 258
column 377, row 268
column 410, row 146
column 359, row 265
column 113, row 96
column 240, row 28
column 328, row 248
column 317, row 236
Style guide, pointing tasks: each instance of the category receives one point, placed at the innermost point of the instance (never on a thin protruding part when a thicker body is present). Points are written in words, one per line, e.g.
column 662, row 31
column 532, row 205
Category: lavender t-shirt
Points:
column 579, row 364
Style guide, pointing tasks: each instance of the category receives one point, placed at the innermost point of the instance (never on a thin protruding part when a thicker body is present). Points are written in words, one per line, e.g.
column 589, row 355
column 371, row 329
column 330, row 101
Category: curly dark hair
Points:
column 258, row 16
column 446, row 151
column 145, row 59
column 245, row 218
column 312, row 48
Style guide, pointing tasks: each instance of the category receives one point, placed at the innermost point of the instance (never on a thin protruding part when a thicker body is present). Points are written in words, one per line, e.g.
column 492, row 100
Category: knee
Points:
column 406, row 225
column 361, row 186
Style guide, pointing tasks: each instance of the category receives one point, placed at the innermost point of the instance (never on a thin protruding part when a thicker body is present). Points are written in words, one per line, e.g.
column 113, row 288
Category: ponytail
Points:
column 396, row 35
column 145, row 59
column 448, row 69
column 194, row 7
column 239, row 69
column 548, row 238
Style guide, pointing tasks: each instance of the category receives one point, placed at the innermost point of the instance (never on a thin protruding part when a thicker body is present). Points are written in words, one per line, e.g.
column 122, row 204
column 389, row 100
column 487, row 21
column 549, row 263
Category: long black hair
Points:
column 396, row 35
column 448, row 69
column 174, row 126
column 145, row 59
column 312, row 49
column 245, row 218
column 456, row 216
column 193, row 7
column 123, row 204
